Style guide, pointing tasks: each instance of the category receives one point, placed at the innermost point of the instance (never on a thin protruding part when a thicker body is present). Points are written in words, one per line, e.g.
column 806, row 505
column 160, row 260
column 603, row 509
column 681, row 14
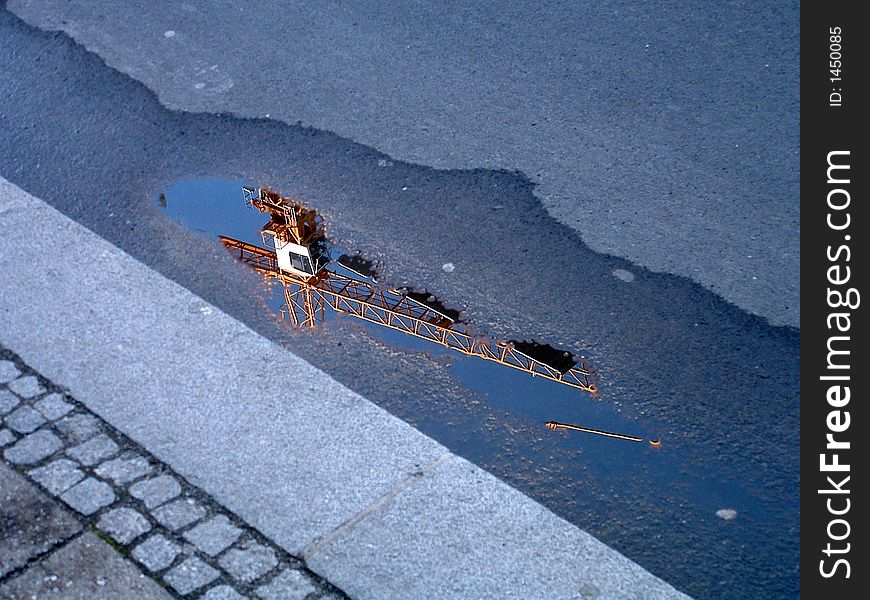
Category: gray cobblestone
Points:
column 124, row 524
column 178, row 514
column 190, row 575
column 26, row 387
column 154, row 492
column 124, row 469
column 6, row 437
column 213, row 536
column 156, row 553
column 24, row 419
column 33, row 448
column 222, row 592
column 250, row 563
column 53, row 407
column 8, row 401
column 89, row 496
column 94, row 450
column 8, row 371
column 78, row 427
column 57, row 476
column 289, row 584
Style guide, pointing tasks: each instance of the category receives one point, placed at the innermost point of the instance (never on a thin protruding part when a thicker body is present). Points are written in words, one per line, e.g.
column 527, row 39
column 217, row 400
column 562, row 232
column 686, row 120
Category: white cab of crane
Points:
column 301, row 260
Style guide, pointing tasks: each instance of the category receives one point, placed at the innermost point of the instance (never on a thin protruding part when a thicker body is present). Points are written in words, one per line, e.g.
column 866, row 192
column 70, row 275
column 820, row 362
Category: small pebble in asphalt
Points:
column 728, row 514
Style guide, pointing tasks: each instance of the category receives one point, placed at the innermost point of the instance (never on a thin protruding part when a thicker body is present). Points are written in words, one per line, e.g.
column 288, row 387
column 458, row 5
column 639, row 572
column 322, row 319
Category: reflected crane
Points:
column 297, row 255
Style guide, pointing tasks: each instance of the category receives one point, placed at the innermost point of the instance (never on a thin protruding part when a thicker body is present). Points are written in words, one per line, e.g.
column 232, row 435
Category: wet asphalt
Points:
column 718, row 385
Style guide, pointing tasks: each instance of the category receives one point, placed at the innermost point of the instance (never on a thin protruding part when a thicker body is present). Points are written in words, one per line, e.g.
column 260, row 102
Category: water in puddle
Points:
column 214, row 207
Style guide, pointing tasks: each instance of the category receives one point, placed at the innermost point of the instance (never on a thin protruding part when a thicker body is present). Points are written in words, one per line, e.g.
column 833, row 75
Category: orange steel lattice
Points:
column 308, row 297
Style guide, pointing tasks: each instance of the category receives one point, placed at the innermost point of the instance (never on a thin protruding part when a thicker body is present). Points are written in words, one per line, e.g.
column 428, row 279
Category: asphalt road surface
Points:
column 719, row 384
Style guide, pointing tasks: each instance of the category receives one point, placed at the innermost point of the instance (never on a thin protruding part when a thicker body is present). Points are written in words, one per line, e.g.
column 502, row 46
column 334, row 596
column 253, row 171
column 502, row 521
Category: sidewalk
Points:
column 87, row 513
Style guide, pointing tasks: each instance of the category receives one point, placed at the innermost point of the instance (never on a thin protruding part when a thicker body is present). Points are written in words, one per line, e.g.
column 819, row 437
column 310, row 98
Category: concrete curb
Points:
column 371, row 504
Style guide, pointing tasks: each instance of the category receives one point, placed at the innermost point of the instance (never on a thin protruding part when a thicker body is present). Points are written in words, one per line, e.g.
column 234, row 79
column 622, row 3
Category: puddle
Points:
column 216, row 208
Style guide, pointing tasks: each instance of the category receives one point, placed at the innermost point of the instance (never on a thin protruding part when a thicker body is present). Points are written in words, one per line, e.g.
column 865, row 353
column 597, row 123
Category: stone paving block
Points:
column 124, row 524
column 124, row 469
column 31, row 523
column 89, row 496
column 8, row 401
column 178, row 514
column 250, row 563
column 8, row 371
column 85, row 569
column 154, row 492
column 213, row 536
column 289, row 584
column 33, row 448
column 26, row 387
column 57, row 476
column 94, row 450
column 6, row 437
column 156, row 553
column 222, row 592
column 78, row 427
column 53, row 407
column 190, row 575
column 24, row 419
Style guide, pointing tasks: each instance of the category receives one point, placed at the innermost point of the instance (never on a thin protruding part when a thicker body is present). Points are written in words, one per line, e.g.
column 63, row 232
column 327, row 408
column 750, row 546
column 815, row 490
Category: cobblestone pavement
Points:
column 136, row 528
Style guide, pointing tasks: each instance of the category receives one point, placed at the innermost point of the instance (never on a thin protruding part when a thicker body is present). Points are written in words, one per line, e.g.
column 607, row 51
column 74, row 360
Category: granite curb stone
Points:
column 179, row 513
column 8, row 401
column 26, row 387
column 78, row 427
column 250, row 563
column 124, row 524
column 94, row 450
column 89, row 496
column 8, row 371
column 222, row 592
column 57, row 476
column 125, row 469
column 213, row 536
column 289, row 584
column 156, row 491
column 33, row 448
column 24, row 419
column 6, row 437
column 190, row 575
column 156, row 553
column 53, row 407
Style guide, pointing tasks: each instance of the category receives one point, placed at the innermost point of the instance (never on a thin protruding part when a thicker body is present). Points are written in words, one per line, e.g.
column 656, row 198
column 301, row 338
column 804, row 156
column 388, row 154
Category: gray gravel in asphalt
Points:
column 603, row 106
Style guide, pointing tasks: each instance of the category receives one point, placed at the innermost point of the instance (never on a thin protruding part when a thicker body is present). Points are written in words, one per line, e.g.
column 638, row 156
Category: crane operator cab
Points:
column 305, row 261
column 294, row 230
